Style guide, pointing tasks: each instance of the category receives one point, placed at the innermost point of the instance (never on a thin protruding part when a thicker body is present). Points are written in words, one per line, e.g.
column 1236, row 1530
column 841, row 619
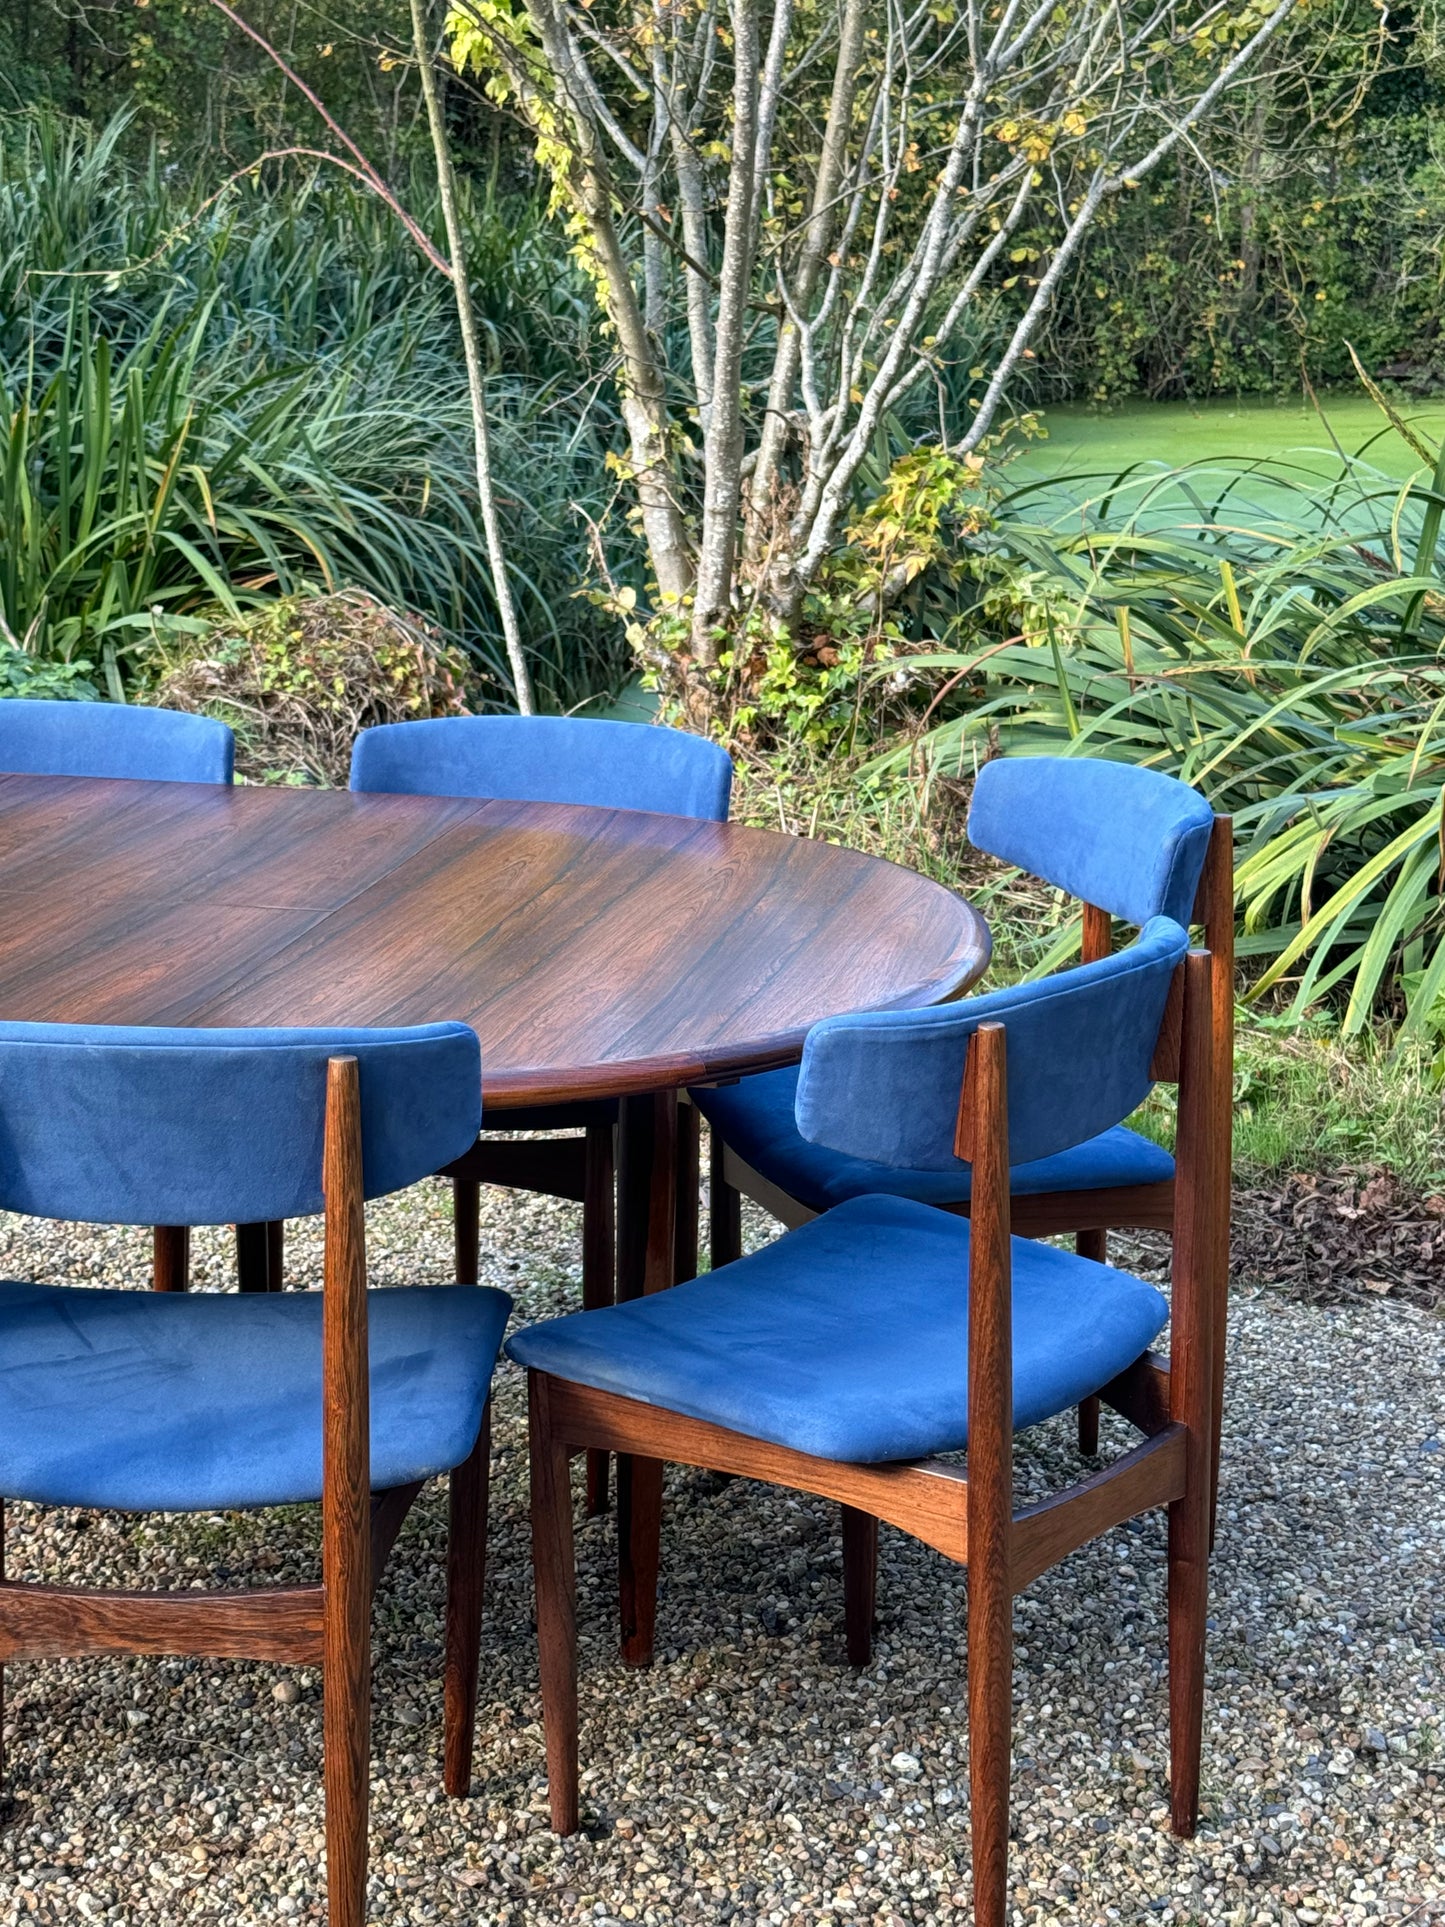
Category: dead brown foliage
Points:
column 298, row 679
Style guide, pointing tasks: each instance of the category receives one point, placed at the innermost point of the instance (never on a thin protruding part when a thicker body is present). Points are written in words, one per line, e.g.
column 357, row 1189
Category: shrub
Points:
column 297, row 679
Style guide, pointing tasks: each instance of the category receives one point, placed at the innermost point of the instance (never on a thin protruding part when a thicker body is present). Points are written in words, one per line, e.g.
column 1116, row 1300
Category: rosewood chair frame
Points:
column 582, row 1169
column 1089, row 1215
column 967, row 1513
column 327, row 1625
column 260, row 1257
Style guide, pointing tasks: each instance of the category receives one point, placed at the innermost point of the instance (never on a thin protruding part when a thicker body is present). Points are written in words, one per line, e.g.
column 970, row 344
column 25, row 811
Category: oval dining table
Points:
column 597, row 954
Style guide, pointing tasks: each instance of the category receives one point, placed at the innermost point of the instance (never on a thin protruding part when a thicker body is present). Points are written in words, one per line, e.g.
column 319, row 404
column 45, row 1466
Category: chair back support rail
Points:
column 1131, row 841
column 967, row 1513
column 50, row 738
column 1213, row 910
column 548, row 759
column 881, row 1085
column 122, row 1125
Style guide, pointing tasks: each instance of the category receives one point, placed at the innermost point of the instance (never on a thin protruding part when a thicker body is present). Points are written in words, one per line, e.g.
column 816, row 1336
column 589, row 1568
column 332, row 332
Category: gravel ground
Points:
column 749, row 1776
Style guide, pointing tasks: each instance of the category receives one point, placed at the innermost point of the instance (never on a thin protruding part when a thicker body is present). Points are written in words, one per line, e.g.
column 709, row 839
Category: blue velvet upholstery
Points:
column 113, row 739
column 122, row 1126
column 756, row 1117
column 548, row 759
column 848, row 1339
column 1130, row 841
column 884, row 1085
column 169, row 1402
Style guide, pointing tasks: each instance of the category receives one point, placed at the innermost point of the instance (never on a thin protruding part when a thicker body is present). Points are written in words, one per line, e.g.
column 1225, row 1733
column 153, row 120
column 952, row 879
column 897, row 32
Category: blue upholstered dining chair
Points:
column 1132, row 844
column 849, row 1356
column 135, row 1401
column 113, row 739
column 554, row 759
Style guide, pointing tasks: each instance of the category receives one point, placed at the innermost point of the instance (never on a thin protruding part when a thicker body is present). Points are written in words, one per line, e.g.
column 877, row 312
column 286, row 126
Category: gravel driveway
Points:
column 749, row 1776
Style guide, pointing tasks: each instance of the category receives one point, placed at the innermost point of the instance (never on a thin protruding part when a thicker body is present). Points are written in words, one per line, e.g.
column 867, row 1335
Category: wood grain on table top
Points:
column 595, row 952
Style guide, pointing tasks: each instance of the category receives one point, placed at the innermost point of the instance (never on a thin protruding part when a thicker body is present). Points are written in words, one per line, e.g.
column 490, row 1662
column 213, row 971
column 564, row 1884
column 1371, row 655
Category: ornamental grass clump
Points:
column 206, row 402
column 1277, row 641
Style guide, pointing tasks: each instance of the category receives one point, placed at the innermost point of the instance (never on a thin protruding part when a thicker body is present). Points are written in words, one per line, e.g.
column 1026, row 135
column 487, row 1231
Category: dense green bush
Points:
column 1308, row 218
column 202, row 406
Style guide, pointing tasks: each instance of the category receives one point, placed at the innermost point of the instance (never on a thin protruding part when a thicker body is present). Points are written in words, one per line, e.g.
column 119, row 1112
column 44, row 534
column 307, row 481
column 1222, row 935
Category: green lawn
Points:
column 1087, row 450
column 1175, row 432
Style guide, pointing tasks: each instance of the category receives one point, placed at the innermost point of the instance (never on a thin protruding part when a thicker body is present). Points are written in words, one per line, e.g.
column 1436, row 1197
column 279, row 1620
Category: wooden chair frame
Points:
column 598, row 1171
column 1089, row 1215
column 967, row 1513
column 327, row 1625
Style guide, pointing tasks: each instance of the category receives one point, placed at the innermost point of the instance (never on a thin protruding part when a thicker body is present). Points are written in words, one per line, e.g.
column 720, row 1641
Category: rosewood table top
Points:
column 595, row 952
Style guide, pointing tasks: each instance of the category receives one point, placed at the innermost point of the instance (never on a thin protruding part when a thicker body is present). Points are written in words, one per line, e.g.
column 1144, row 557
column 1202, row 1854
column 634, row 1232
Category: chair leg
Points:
column 467, row 1229
column 171, row 1257
column 860, row 1582
column 466, row 1581
column 346, row 1724
column 258, row 1256
column 556, row 1581
column 990, row 1718
column 639, row 1531
column 1095, row 1245
column 599, row 1265
column 1188, row 1608
column 276, row 1255
column 1194, row 1306
column 725, row 1212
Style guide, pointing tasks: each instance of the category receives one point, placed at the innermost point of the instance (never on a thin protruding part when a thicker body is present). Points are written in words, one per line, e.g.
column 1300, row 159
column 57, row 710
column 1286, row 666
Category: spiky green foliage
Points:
column 204, row 406
column 1276, row 641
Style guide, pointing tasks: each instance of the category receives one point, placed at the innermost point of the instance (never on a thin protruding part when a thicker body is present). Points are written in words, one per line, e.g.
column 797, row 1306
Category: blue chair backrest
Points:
column 884, row 1085
column 108, row 1125
column 113, row 739
column 548, row 759
column 1130, row 841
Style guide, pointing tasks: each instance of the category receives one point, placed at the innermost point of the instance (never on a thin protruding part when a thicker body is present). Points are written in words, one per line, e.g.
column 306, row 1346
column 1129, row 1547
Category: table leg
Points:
column 171, row 1260
column 685, row 1238
column 259, row 1256
column 599, row 1266
column 646, row 1259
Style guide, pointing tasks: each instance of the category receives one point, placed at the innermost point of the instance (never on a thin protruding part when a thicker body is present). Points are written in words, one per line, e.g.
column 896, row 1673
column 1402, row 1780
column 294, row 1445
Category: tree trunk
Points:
column 723, row 446
column 472, row 353
column 643, row 383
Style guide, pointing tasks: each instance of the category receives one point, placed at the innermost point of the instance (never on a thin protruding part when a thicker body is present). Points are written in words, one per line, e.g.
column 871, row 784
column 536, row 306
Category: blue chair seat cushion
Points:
column 158, row 1402
column 756, row 1117
column 848, row 1339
